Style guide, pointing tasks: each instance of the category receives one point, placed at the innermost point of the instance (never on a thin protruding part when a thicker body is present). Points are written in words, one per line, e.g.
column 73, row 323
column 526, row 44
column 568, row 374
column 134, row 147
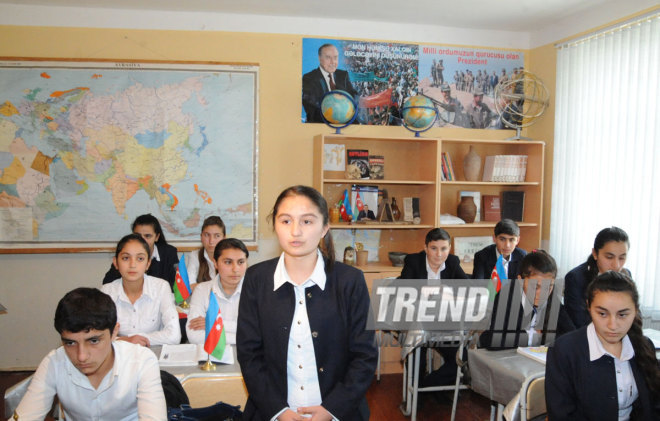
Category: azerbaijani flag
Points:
column 181, row 283
column 345, row 209
column 359, row 205
column 215, row 330
column 496, row 276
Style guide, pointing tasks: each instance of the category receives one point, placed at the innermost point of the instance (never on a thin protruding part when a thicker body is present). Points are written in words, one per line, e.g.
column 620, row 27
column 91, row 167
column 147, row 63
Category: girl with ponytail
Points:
column 607, row 370
column 302, row 341
column 200, row 263
column 609, row 253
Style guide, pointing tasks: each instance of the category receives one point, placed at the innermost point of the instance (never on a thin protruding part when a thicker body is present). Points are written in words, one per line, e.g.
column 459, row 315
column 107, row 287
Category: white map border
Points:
column 47, row 247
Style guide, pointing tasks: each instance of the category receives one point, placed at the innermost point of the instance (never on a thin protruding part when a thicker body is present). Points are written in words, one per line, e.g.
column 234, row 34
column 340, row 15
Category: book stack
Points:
column 447, row 168
column 505, row 168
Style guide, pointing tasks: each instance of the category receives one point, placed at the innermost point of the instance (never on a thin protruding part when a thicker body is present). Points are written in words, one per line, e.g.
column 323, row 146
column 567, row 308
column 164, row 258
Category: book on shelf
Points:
column 477, row 201
column 376, row 167
column 357, row 164
column 334, row 157
column 492, row 209
column 190, row 354
column 451, row 175
column 466, row 247
column 537, row 353
column 445, row 168
column 513, row 205
column 505, row 168
column 411, row 210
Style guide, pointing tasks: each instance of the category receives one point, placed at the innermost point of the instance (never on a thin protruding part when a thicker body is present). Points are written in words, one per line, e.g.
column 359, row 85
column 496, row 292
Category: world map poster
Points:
column 85, row 147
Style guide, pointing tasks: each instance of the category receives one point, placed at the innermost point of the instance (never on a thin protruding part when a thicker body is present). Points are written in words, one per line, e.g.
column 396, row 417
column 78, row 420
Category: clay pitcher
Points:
column 472, row 165
column 467, row 209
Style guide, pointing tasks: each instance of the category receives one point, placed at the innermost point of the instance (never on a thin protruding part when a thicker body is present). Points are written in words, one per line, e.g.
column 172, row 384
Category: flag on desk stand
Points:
column 181, row 282
column 345, row 208
column 215, row 329
column 359, row 205
column 497, row 275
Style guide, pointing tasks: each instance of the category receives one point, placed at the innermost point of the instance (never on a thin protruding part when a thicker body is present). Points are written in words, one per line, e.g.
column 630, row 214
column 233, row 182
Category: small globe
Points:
column 419, row 113
column 338, row 107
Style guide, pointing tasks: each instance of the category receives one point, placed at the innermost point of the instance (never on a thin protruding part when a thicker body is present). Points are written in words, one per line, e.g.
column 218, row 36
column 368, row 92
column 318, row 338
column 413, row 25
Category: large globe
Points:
column 419, row 113
column 338, row 107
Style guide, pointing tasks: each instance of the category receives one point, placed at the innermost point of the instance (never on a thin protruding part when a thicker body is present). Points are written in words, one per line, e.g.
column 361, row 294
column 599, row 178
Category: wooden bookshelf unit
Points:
column 530, row 227
column 411, row 170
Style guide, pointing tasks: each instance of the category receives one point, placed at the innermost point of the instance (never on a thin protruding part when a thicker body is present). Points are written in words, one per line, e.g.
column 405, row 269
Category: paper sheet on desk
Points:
column 191, row 354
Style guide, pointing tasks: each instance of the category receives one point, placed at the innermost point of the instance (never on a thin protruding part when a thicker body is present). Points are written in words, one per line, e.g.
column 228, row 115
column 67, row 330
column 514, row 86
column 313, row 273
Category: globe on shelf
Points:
column 419, row 114
column 338, row 109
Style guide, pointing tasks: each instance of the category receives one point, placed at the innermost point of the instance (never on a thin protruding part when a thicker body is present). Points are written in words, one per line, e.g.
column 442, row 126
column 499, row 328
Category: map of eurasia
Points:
column 83, row 151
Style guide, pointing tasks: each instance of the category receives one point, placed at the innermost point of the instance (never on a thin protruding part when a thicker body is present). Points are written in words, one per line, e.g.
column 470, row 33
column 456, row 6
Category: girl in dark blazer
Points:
column 609, row 253
column 606, row 370
column 164, row 265
column 302, row 341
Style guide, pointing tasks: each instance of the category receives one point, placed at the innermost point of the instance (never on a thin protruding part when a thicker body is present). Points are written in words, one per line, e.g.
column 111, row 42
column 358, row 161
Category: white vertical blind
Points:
column 607, row 149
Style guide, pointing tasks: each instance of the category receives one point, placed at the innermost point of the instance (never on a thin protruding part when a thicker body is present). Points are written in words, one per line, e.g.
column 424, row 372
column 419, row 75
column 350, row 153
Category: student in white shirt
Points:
column 302, row 341
column 200, row 263
column 230, row 260
column 145, row 304
column 608, row 369
column 93, row 376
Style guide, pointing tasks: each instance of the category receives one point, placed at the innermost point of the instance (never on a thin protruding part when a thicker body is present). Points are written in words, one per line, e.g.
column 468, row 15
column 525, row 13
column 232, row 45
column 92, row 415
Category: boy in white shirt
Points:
column 94, row 376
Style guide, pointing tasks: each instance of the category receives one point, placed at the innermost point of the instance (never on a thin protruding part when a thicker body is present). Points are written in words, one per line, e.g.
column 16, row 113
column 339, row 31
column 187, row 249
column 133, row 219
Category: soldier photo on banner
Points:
column 380, row 76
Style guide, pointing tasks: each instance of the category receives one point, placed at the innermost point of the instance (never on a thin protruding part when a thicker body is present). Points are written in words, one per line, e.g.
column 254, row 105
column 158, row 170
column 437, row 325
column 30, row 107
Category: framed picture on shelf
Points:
column 466, row 247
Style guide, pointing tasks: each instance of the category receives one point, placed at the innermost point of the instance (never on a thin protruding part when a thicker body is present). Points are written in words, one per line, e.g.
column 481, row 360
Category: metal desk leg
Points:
column 415, row 386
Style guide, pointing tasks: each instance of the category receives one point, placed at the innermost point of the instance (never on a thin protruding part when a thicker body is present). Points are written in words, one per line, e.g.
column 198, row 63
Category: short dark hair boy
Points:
column 90, row 362
column 506, row 237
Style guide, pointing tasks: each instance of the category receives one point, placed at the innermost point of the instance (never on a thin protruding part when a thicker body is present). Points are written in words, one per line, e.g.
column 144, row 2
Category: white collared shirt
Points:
column 429, row 272
column 153, row 315
column 326, row 76
column 130, row 390
column 302, row 379
column 192, row 265
column 199, row 303
column 625, row 380
column 154, row 254
column 533, row 336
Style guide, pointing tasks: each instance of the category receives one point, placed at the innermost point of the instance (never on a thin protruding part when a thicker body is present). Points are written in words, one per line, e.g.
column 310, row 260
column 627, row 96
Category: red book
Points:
column 492, row 209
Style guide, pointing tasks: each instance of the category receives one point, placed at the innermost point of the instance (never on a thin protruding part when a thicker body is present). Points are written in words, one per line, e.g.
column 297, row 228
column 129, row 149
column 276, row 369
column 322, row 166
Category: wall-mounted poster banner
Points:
column 462, row 81
column 380, row 76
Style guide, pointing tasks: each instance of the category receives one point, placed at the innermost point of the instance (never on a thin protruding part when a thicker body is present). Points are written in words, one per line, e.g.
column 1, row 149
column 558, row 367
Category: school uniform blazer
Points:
column 575, row 294
column 345, row 352
column 414, row 267
column 486, row 258
column 579, row 389
column 518, row 336
column 163, row 269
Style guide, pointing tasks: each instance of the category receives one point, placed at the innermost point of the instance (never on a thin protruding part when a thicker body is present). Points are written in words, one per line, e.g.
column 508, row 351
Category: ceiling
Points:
column 508, row 15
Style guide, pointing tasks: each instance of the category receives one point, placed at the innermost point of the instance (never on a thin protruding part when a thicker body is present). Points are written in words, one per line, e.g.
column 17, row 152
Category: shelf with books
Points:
column 370, row 181
column 408, row 167
column 519, row 197
column 491, row 183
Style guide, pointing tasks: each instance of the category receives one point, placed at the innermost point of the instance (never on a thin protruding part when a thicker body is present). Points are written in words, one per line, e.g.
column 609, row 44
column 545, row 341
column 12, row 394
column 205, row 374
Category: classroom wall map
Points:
column 87, row 147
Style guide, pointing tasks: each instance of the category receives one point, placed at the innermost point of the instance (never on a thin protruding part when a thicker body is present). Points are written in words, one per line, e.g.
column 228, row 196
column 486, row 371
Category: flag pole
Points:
column 208, row 365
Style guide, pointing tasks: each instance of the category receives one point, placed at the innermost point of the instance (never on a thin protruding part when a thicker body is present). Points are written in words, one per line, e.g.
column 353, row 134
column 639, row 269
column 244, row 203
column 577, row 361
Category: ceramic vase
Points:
column 472, row 165
column 467, row 209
